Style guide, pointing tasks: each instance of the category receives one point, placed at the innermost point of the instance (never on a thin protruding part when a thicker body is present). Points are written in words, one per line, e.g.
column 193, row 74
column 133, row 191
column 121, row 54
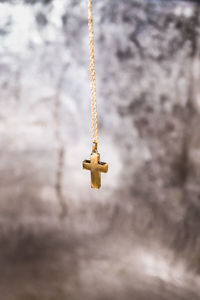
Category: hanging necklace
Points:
column 93, row 165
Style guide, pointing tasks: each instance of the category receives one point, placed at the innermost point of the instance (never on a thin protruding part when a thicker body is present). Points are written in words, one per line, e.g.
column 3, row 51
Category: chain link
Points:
column 92, row 76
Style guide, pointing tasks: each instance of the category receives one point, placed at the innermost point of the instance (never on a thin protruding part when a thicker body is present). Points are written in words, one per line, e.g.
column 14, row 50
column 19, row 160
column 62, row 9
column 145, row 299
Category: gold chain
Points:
column 92, row 77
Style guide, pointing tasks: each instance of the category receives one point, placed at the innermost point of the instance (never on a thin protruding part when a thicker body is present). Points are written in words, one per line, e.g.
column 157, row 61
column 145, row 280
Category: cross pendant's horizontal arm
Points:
column 103, row 167
column 87, row 165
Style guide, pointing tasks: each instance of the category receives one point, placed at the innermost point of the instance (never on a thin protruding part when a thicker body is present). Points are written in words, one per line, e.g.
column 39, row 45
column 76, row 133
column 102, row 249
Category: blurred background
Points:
column 138, row 236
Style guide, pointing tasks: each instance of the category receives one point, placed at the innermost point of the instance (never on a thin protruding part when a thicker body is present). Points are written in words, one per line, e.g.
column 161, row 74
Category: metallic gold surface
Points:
column 96, row 167
column 94, row 164
column 92, row 75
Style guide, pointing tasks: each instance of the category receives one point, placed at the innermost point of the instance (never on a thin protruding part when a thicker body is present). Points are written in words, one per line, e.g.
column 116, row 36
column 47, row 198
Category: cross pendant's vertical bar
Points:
column 95, row 174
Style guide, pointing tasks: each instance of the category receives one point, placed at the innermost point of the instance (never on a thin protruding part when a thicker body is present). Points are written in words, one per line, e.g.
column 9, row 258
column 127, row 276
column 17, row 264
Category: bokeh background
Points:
column 138, row 236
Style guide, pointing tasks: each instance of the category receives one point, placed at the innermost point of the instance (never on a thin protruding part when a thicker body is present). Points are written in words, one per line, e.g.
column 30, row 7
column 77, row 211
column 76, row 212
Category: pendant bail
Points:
column 94, row 148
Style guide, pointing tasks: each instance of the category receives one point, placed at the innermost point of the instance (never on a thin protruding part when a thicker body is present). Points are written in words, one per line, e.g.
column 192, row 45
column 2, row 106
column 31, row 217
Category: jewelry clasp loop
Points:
column 94, row 148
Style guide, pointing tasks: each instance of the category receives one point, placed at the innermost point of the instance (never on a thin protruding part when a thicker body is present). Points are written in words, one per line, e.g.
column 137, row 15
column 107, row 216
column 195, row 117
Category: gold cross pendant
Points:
column 96, row 167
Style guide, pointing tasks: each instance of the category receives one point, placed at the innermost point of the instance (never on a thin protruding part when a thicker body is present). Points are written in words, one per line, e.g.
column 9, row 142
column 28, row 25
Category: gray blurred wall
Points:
column 146, row 215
